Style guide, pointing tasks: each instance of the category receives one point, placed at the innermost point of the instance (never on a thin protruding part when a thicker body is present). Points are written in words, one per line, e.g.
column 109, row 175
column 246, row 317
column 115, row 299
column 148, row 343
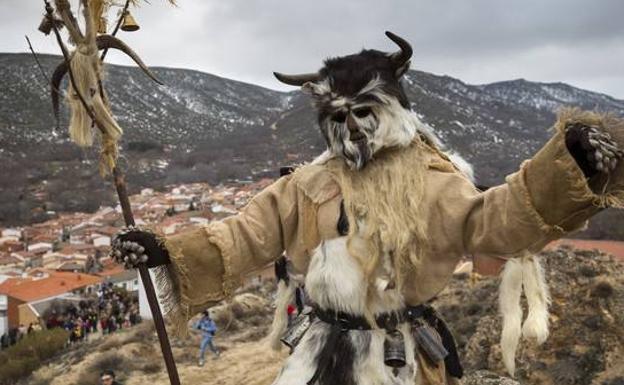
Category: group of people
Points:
column 111, row 311
column 13, row 335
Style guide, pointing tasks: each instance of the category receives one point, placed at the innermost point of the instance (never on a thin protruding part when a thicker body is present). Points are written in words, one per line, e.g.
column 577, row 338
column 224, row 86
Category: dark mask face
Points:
column 356, row 92
column 361, row 104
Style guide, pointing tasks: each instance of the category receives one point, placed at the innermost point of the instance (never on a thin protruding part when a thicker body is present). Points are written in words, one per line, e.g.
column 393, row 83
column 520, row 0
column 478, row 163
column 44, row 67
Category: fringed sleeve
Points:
column 546, row 199
column 208, row 262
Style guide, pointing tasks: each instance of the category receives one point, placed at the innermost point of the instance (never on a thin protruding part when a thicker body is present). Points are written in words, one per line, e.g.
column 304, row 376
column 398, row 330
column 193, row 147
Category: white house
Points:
column 4, row 316
column 8, row 238
column 127, row 279
column 101, row 240
column 12, row 233
column 40, row 247
column 199, row 220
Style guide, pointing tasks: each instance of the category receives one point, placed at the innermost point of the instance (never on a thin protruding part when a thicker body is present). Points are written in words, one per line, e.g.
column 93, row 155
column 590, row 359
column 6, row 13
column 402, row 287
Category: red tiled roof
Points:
column 26, row 254
column 43, row 238
column 108, row 230
column 110, row 268
column 615, row 248
column 7, row 260
column 10, row 283
column 79, row 248
column 56, row 283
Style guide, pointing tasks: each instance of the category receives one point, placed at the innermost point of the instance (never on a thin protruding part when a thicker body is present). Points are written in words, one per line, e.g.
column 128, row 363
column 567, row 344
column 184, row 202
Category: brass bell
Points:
column 394, row 349
column 129, row 24
column 102, row 25
column 46, row 25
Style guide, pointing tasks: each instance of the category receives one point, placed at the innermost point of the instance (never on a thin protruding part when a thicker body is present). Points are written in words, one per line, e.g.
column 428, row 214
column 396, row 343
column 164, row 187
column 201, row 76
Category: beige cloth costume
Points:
column 546, row 199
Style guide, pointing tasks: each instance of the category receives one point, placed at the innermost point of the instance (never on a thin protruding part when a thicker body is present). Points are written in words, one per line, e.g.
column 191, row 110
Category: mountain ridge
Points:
column 203, row 127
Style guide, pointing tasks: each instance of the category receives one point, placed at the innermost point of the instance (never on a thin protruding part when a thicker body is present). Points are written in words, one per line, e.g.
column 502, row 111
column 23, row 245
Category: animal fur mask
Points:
column 361, row 104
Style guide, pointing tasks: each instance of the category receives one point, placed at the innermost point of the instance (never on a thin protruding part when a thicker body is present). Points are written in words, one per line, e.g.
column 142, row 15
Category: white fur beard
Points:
column 394, row 126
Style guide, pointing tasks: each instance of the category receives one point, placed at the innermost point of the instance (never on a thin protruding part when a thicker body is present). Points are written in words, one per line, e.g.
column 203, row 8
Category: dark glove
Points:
column 133, row 246
column 594, row 151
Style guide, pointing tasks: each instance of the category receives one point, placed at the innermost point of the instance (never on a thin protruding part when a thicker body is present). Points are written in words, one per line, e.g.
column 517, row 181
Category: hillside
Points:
column 200, row 127
column 586, row 345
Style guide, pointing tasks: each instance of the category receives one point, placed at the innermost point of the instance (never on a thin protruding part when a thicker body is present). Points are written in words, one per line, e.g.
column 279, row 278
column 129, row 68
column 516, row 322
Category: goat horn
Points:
column 108, row 41
column 297, row 80
column 57, row 78
column 400, row 57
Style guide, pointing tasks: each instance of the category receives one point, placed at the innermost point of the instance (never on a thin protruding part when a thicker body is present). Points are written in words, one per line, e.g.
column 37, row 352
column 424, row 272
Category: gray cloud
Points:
column 580, row 42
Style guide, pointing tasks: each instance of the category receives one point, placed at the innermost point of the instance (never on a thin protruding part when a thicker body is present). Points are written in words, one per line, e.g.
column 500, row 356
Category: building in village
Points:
column 27, row 296
column 119, row 276
column 4, row 317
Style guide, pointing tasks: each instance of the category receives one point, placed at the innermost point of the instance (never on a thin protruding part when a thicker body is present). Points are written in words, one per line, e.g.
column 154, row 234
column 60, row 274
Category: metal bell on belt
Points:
column 394, row 349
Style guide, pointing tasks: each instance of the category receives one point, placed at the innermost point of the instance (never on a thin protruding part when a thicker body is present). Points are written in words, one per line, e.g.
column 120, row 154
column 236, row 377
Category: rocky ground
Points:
column 586, row 345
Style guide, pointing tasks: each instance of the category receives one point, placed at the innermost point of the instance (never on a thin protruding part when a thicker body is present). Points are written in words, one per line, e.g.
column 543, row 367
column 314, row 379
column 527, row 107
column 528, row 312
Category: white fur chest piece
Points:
column 335, row 280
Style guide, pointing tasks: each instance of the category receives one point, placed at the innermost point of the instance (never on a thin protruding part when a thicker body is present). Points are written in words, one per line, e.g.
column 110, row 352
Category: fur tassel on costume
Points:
column 521, row 273
column 511, row 310
column 85, row 68
column 285, row 295
column 538, row 297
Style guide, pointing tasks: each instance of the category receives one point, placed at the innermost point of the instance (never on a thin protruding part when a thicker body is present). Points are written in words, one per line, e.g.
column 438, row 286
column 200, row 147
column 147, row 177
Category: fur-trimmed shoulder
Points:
column 449, row 162
column 316, row 182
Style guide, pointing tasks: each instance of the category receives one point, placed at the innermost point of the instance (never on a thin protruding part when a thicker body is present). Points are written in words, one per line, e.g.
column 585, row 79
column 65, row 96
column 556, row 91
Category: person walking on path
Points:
column 208, row 328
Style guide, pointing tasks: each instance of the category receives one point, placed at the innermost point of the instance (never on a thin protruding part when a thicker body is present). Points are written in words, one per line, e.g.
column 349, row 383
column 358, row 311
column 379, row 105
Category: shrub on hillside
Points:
column 29, row 353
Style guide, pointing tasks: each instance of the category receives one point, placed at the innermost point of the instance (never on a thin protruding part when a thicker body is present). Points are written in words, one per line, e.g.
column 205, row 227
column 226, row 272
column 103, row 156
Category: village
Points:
column 63, row 263
column 65, row 260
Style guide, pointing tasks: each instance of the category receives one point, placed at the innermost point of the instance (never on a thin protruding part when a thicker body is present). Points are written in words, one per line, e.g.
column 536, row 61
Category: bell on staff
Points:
column 102, row 25
column 129, row 24
column 46, row 24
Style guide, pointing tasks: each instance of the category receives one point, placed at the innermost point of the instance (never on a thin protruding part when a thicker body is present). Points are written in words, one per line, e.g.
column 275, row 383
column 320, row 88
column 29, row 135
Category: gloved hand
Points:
column 594, row 150
column 133, row 246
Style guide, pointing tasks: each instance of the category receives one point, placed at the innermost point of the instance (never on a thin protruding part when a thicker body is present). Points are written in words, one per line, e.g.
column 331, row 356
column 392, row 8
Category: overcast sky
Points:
column 477, row 41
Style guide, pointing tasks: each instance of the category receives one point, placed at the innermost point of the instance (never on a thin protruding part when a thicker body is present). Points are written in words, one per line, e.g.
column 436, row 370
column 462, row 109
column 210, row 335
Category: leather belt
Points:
column 388, row 321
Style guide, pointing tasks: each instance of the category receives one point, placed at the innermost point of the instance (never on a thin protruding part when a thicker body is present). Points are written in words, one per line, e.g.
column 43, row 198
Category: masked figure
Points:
column 377, row 223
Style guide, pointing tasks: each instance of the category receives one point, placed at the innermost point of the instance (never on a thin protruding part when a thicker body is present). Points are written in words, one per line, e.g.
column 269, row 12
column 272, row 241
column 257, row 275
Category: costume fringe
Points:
column 285, row 295
column 175, row 309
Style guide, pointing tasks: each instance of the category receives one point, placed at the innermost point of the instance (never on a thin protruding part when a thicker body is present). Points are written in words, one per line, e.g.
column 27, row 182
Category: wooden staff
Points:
column 124, row 201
